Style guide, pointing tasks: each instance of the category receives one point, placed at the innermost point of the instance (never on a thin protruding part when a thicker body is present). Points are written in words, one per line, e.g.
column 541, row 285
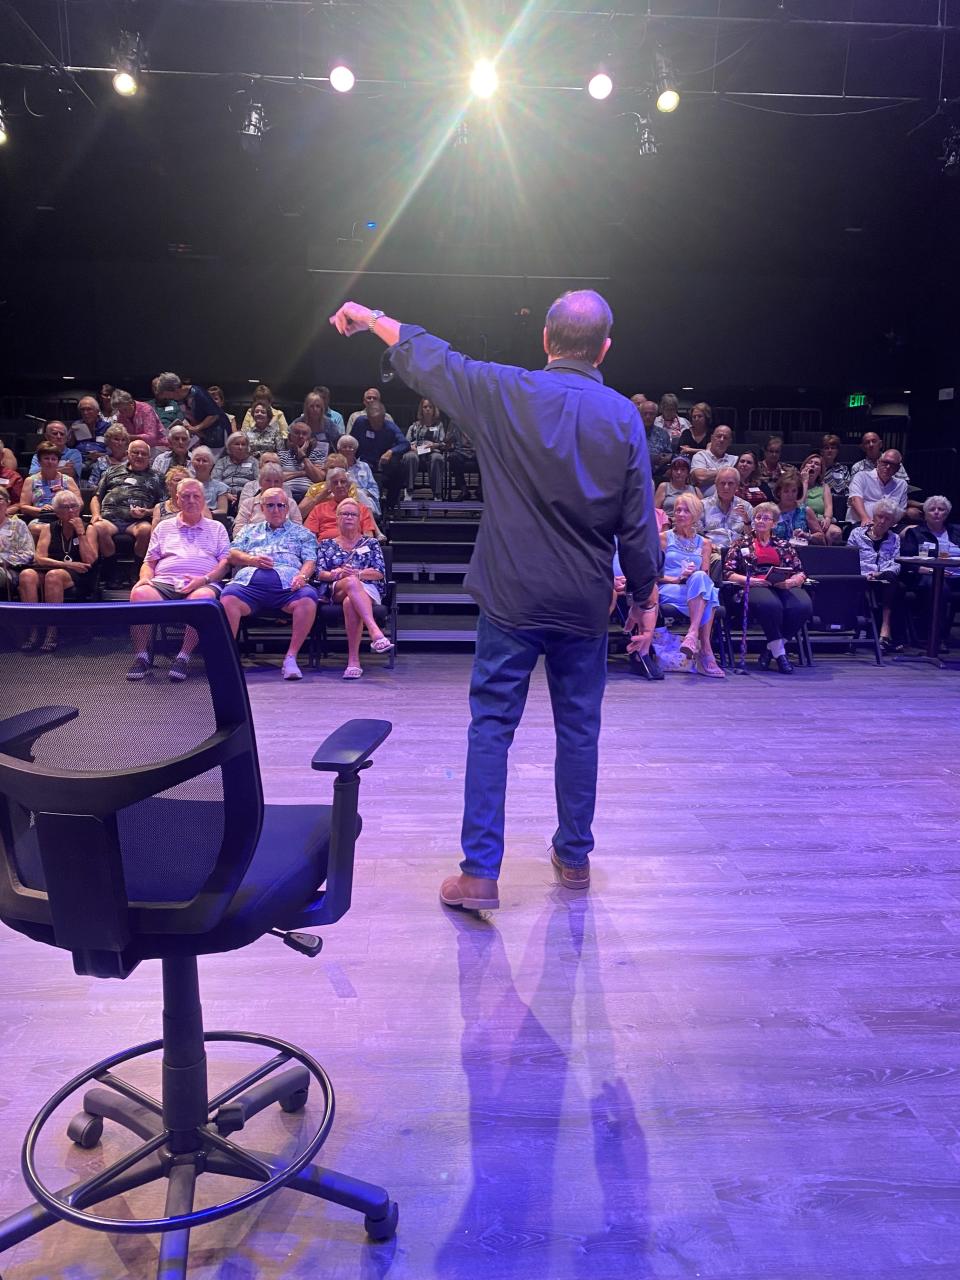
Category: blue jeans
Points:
column 576, row 669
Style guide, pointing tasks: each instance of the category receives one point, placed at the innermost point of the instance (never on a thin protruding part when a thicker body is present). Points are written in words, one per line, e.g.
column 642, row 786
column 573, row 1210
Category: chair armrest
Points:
column 348, row 748
column 20, row 732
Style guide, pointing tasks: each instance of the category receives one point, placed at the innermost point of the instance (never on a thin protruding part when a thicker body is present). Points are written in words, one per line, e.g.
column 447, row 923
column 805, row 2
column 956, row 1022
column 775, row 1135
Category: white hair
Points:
column 940, row 500
column 888, row 507
column 167, row 382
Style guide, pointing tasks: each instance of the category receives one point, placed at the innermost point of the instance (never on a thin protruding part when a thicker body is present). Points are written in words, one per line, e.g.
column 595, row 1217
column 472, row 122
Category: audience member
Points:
column 167, row 509
column 659, row 445
column 872, row 447
column 70, row 461
column 87, row 431
column 351, row 568
column 236, row 467
column 250, row 509
column 669, row 418
column 106, row 405
column 835, row 474
column 321, row 419
column 263, row 434
column 204, row 417
column 940, row 539
column 11, row 483
column 275, row 417
column 124, row 501
column 116, row 442
column 8, row 459
column 215, row 492
column 818, row 500
column 303, row 459
column 726, row 516
column 770, row 467
column 275, row 560
column 878, row 547
column 697, row 436
column 427, row 436
column 318, row 492
column 368, row 491
column 138, row 419
column 869, row 485
column 780, row 606
column 686, row 583
column 215, row 393
column 186, row 559
column 64, row 562
column 707, row 462
column 322, row 518
column 333, row 416
column 797, row 522
column 461, row 458
column 382, row 446
column 177, row 454
column 749, row 488
column 41, row 487
column 370, row 396
column 16, row 549
column 167, row 409
column 676, row 483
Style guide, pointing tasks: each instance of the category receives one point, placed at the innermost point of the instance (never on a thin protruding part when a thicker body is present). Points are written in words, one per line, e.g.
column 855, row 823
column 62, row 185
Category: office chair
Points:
column 133, row 828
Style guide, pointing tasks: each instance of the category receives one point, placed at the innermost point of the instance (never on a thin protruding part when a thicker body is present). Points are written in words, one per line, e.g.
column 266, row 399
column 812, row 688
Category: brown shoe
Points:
column 571, row 877
column 469, row 893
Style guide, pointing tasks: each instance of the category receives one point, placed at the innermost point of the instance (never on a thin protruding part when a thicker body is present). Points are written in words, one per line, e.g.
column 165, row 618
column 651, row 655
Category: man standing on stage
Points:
column 565, row 472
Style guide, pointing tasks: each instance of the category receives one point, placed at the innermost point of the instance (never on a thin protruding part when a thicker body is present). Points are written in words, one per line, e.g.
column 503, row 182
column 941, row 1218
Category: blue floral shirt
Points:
column 365, row 555
column 290, row 546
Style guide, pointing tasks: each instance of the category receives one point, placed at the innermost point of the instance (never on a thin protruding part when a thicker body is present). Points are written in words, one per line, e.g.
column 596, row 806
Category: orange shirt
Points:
column 322, row 520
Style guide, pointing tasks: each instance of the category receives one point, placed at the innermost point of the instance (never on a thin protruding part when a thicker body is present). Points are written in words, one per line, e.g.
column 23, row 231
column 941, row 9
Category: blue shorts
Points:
column 264, row 591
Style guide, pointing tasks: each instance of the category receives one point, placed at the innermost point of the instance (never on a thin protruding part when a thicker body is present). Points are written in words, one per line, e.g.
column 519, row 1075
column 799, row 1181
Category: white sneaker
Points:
column 290, row 669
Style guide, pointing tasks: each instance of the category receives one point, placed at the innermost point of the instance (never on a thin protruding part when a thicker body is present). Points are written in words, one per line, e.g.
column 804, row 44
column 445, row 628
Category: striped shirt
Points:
column 179, row 551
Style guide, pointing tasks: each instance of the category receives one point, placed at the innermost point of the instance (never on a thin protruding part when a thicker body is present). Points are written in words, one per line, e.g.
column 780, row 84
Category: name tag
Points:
column 371, row 435
column 361, row 551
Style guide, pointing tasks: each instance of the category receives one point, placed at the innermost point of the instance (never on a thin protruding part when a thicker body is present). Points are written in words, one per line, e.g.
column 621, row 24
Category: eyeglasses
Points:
column 274, row 506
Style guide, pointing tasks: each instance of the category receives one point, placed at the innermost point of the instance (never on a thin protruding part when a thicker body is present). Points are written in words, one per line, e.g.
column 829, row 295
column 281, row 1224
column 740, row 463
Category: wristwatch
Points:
column 374, row 317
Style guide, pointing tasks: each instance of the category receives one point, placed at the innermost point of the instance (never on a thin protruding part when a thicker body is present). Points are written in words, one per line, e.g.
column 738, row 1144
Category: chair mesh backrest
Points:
column 169, row 849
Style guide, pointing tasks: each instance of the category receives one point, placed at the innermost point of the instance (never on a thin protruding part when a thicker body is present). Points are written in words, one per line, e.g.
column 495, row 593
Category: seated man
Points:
column 276, row 560
column 461, row 457
column 236, row 468
column 869, row 485
column 725, row 516
column 71, row 461
column 658, row 438
column 250, row 510
column 124, row 501
column 11, row 482
column 177, row 453
column 87, row 432
column 872, row 447
column 302, row 458
column 185, row 560
column 370, row 396
column 706, row 463
column 382, row 446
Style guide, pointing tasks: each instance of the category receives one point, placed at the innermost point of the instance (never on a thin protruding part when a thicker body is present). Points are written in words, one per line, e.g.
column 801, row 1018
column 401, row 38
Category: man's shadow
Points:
column 534, row 1122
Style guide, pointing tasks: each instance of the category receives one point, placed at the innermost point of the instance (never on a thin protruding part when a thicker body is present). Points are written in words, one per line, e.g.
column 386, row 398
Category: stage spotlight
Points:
column 483, row 78
column 129, row 62
column 4, row 135
column 950, row 160
column 342, row 78
column 600, row 86
column 668, row 98
column 253, row 127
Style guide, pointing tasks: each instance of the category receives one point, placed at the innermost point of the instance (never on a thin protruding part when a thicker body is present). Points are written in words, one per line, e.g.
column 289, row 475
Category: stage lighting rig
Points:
column 600, row 85
column 128, row 61
column 668, row 96
column 646, row 141
column 484, row 80
column 253, row 126
column 342, row 78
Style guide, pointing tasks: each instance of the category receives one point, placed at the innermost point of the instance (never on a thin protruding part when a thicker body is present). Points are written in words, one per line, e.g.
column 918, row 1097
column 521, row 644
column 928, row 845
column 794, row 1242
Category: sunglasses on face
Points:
column 275, row 506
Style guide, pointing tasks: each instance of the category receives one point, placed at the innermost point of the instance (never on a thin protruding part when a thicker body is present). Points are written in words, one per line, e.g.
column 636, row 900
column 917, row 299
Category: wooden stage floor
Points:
column 738, row 1058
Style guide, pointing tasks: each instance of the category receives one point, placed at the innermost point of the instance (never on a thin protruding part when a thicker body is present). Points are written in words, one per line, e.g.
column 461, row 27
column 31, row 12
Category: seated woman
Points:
column 216, row 395
column 177, row 452
column 836, row 475
column 215, row 492
column 350, row 566
column 116, row 440
column 750, row 489
column 65, row 562
column 137, row 418
column 797, row 522
column 368, row 490
column 275, row 417
column 16, row 549
column 676, row 483
column 945, row 538
column 322, row 517
column 686, row 583
column 779, row 605
column 40, row 489
column 168, row 508
column 263, row 433
column 426, row 436
column 697, row 436
column 770, row 467
column 819, row 500
column 878, row 547
column 669, row 417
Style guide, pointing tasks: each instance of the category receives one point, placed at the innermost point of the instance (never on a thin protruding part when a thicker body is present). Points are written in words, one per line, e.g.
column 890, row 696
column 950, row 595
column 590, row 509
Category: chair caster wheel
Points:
column 384, row 1228
column 295, row 1101
column 85, row 1130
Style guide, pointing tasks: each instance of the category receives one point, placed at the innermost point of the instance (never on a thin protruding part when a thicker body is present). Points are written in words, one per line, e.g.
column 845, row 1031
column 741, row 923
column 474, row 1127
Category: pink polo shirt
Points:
column 180, row 551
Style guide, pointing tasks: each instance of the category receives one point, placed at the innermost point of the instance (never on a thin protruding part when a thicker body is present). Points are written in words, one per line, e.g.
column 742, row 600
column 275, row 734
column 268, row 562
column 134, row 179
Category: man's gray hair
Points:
column 119, row 398
column 888, row 507
column 167, row 382
column 578, row 324
column 271, row 475
column 182, row 484
column 351, row 440
column 940, row 500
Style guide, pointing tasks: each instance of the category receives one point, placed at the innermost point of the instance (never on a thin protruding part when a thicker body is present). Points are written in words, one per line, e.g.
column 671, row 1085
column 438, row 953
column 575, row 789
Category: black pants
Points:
column 460, row 463
column 779, row 614
column 390, row 478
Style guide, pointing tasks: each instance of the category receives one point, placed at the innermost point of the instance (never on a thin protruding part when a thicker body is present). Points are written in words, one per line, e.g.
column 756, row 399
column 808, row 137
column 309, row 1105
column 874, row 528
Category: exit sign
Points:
column 856, row 399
